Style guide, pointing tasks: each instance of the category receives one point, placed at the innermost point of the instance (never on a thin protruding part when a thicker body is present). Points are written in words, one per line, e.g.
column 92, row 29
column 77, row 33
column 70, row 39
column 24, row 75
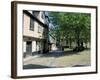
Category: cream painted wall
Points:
column 33, row 46
column 26, row 28
column 24, row 46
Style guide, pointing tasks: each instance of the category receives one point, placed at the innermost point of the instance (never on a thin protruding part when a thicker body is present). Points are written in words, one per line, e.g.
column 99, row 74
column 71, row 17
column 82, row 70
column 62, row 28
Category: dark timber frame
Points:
column 14, row 37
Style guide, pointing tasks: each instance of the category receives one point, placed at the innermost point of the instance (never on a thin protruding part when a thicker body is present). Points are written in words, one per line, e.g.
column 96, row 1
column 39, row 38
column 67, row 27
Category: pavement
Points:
column 57, row 59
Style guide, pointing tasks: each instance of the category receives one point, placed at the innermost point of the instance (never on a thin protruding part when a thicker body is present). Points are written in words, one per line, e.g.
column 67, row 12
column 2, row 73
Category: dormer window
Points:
column 36, row 13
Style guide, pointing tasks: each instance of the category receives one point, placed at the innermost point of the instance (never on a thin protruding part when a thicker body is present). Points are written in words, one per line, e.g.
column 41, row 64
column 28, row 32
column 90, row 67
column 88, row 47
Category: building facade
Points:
column 35, row 33
column 52, row 43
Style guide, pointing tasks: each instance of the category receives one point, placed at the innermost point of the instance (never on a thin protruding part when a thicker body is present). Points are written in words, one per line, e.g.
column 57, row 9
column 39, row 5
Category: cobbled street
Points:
column 58, row 59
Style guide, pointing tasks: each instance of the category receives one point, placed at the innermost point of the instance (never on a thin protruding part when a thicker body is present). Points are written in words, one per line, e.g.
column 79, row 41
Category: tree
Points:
column 71, row 27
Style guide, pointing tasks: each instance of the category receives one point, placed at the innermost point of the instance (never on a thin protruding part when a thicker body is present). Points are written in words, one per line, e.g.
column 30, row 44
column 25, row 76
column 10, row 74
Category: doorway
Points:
column 29, row 48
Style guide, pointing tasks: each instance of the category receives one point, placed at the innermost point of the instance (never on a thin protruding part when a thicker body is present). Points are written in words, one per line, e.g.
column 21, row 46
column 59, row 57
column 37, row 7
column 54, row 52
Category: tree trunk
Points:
column 82, row 44
column 78, row 43
column 70, row 43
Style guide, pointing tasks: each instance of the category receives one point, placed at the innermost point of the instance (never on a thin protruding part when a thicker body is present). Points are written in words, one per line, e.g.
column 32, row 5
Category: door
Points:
column 29, row 48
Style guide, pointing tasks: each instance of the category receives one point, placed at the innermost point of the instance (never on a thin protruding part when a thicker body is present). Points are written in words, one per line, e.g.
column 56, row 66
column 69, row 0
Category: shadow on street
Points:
column 35, row 66
column 57, row 53
column 80, row 65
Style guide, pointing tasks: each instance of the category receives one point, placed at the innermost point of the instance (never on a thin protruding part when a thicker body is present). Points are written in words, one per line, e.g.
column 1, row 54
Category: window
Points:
column 31, row 24
column 32, row 21
column 40, row 29
column 36, row 13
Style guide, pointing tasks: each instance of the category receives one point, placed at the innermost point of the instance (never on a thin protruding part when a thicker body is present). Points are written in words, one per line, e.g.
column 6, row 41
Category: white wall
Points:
column 24, row 46
column 33, row 46
column 5, row 41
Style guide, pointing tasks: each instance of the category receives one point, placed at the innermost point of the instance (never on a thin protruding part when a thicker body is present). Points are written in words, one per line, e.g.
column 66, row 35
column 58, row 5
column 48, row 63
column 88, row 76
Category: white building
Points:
column 35, row 32
column 52, row 43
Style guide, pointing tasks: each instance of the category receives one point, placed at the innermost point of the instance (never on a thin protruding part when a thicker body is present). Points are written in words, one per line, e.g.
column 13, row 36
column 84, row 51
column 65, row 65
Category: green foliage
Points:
column 71, row 26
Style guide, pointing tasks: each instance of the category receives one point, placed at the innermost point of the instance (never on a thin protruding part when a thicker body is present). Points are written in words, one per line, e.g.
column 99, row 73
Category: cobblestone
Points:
column 60, row 59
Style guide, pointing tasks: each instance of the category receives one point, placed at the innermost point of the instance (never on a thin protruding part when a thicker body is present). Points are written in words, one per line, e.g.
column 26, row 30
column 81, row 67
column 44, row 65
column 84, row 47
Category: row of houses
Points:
column 36, row 38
